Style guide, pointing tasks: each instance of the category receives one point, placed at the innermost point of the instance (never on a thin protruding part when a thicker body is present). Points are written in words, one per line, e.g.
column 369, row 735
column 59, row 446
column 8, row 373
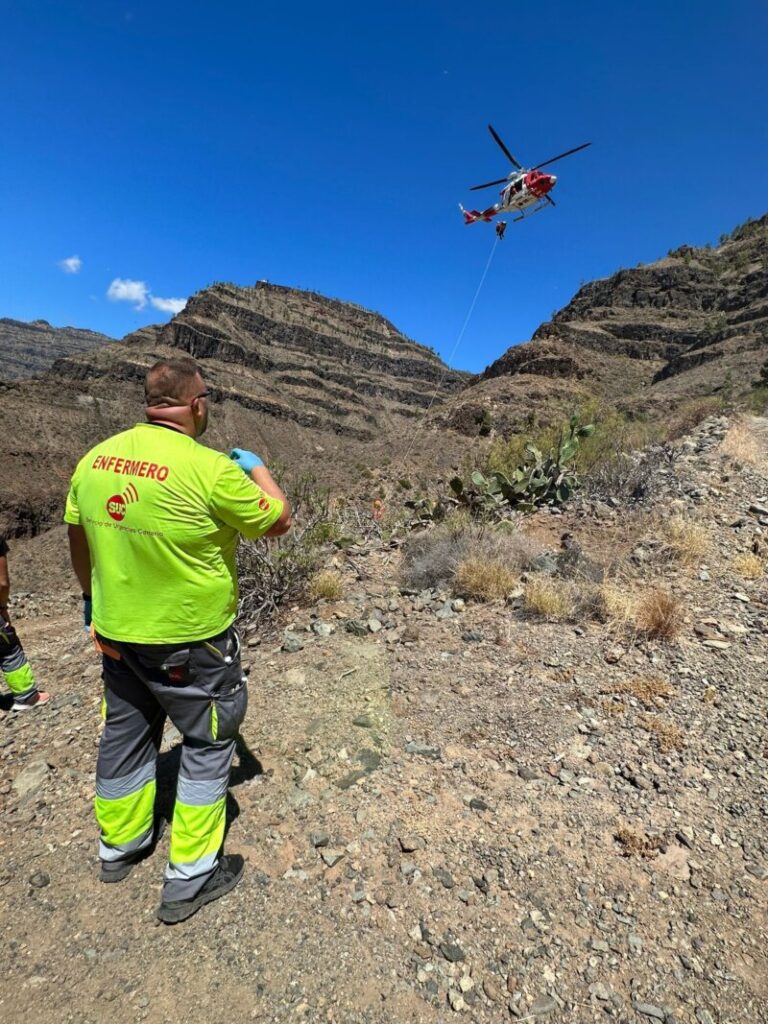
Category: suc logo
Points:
column 117, row 503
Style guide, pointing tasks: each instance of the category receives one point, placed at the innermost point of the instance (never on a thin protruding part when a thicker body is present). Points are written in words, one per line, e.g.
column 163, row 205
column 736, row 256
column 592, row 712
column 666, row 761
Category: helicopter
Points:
column 525, row 191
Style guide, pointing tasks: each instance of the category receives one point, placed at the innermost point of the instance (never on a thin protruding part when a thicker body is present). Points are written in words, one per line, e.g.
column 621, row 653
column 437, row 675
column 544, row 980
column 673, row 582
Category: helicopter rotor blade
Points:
column 504, row 149
column 488, row 184
column 560, row 157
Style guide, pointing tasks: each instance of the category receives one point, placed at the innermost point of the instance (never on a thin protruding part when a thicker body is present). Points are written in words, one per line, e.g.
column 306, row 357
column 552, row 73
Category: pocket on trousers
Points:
column 227, row 712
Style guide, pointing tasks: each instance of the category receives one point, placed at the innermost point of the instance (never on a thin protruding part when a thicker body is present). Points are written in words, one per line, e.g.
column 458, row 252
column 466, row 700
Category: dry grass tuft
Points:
column 750, row 566
column 740, row 444
column 613, row 604
column 550, row 599
column 635, row 843
column 659, row 614
column 649, row 690
column 668, row 735
column 484, row 580
column 434, row 557
column 327, row 585
column 688, row 542
column 613, row 708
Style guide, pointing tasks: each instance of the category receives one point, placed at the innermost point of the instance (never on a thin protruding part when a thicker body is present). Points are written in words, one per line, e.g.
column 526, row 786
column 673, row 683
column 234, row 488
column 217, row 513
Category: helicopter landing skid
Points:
column 524, row 216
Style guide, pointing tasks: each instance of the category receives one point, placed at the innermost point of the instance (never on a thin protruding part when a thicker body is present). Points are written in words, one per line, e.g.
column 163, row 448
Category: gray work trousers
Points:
column 200, row 686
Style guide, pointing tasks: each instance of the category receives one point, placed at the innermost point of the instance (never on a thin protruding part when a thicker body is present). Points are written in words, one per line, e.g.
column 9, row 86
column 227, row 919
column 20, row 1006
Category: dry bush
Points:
column 689, row 414
column 659, row 614
column 740, row 444
column 635, row 843
column 327, row 585
column 550, row 599
column 432, row 558
column 612, row 603
column 750, row 566
column 275, row 572
column 612, row 708
column 687, row 541
column 668, row 735
column 649, row 690
column 483, row 580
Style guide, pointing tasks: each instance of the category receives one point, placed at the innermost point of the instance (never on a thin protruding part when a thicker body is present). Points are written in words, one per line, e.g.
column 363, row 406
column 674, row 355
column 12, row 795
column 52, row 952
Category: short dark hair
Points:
column 171, row 381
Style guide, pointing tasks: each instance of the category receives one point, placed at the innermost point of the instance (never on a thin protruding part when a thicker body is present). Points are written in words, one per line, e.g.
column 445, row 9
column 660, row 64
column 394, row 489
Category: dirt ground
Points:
column 465, row 812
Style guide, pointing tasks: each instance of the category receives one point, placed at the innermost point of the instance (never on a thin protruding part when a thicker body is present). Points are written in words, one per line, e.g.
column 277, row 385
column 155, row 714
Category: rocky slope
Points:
column 318, row 383
column 690, row 324
column 455, row 812
column 28, row 349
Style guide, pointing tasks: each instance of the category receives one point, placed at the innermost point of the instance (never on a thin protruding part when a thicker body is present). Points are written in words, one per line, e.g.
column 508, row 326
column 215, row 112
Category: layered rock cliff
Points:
column 318, row 383
column 30, row 348
column 690, row 324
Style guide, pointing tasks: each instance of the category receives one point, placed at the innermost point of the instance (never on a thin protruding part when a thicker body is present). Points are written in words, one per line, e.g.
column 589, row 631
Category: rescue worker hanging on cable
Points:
column 154, row 520
column 501, row 227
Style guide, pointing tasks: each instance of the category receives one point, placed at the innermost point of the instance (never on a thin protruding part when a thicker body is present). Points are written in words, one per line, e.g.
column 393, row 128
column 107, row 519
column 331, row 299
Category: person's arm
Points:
column 263, row 479
column 80, row 554
column 5, row 588
column 254, row 469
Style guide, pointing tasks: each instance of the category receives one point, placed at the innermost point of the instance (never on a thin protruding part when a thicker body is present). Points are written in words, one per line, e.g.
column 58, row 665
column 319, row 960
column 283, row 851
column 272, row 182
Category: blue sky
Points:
column 327, row 146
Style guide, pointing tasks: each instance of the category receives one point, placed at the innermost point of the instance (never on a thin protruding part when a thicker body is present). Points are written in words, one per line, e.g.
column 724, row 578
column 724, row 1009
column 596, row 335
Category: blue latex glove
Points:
column 245, row 460
column 87, row 608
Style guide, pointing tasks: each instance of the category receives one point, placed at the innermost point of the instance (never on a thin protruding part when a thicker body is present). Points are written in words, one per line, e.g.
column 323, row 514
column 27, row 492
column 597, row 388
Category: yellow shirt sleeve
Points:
column 241, row 504
column 72, row 508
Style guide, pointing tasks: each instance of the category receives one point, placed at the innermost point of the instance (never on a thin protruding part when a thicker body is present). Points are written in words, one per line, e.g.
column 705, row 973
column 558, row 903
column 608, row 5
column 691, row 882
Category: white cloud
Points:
column 71, row 265
column 168, row 305
column 123, row 289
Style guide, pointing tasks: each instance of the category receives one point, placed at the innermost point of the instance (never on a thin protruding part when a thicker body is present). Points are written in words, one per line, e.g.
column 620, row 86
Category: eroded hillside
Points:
column 451, row 809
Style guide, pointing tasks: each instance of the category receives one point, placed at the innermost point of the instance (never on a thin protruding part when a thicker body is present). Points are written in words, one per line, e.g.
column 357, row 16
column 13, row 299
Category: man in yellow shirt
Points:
column 154, row 521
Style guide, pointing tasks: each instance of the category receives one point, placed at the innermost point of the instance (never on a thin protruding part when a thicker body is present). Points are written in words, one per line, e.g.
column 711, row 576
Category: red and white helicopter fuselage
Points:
column 524, row 190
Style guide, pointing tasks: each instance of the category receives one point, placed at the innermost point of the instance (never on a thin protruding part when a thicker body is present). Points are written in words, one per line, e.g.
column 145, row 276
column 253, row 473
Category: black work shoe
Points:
column 116, row 871
column 228, row 873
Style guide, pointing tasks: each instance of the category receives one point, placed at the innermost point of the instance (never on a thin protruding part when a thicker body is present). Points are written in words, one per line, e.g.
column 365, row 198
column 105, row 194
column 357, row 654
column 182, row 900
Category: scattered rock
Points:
column 292, row 643
column 331, row 857
column 452, row 952
column 543, row 1006
column 649, row 1010
column 423, row 750
column 478, row 804
column 408, row 844
column 29, row 780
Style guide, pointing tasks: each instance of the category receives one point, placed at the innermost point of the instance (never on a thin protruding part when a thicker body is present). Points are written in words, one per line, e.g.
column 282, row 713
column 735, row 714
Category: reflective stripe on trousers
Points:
column 125, row 808
column 202, row 690
column 14, row 664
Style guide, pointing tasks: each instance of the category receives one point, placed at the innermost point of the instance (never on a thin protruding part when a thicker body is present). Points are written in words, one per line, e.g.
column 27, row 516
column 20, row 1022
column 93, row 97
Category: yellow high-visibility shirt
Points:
column 162, row 515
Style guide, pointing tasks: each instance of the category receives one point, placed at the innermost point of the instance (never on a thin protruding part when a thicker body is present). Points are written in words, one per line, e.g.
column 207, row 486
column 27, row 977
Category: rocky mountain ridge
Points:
column 315, row 382
column 331, row 387
column 29, row 348
column 645, row 337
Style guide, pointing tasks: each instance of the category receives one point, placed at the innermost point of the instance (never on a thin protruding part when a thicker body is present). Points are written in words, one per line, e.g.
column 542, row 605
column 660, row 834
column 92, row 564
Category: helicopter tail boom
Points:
column 471, row 216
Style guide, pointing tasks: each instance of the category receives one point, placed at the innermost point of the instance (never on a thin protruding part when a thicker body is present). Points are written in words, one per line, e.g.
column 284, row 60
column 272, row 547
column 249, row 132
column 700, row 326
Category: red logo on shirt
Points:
column 116, row 504
column 263, row 504
column 116, row 507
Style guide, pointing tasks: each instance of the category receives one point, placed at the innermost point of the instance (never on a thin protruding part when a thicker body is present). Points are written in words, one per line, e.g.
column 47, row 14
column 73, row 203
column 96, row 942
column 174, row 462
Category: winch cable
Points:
column 452, row 353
